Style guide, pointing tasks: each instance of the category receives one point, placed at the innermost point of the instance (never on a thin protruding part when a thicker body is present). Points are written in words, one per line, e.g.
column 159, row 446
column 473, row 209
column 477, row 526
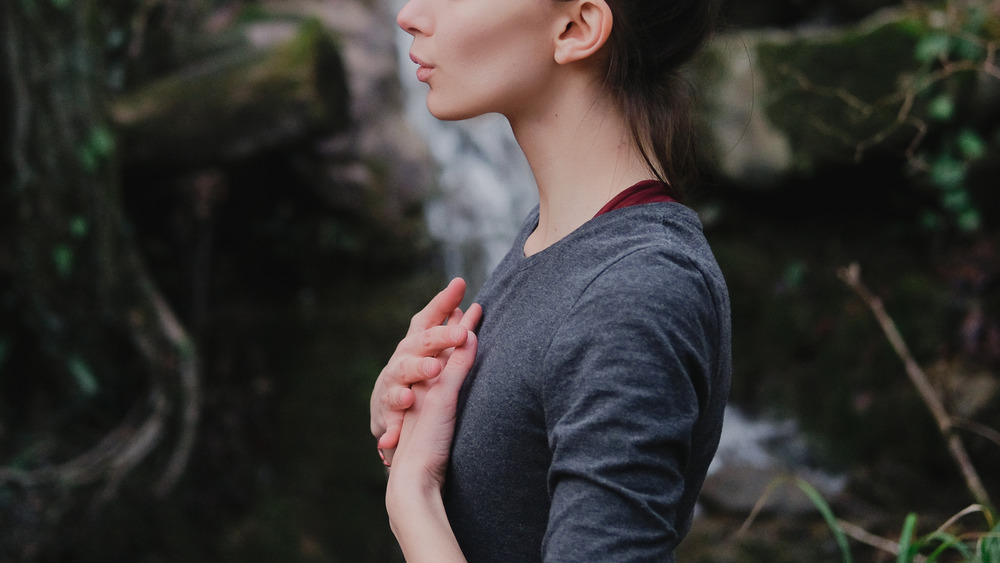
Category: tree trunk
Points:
column 117, row 375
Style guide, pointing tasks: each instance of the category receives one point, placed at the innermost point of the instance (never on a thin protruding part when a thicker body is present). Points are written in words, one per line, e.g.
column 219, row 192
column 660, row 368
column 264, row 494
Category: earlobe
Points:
column 586, row 28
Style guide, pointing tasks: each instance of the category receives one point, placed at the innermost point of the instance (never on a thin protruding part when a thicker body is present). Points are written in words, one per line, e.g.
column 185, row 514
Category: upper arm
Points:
column 628, row 377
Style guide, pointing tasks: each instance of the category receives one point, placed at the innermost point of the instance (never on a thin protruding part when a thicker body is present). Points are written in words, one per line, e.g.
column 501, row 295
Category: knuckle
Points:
column 426, row 340
column 388, row 400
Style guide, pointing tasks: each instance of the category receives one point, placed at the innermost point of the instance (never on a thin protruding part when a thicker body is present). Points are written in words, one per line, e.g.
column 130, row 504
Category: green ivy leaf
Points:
column 101, row 141
column 948, row 173
column 84, row 377
column 78, row 226
column 969, row 50
column 971, row 145
column 969, row 220
column 975, row 20
column 942, row 108
column 97, row 148
column 956, row 200
column 88, row 160
column 932, row 47
column 62, row 257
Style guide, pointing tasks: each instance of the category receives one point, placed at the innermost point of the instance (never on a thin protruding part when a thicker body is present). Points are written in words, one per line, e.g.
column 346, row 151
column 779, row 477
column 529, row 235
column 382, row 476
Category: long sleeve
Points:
column 629, row 375
column 593, row 409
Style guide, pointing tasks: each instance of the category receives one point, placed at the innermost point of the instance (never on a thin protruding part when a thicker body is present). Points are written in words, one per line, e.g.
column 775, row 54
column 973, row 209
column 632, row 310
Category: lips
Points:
column 424, row 70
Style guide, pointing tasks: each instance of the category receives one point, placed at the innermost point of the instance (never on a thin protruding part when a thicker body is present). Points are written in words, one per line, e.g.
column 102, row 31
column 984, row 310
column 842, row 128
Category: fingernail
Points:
column 457, row 332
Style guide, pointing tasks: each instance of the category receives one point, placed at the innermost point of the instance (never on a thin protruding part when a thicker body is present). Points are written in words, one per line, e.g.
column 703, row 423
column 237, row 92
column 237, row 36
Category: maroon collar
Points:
column 647, row 191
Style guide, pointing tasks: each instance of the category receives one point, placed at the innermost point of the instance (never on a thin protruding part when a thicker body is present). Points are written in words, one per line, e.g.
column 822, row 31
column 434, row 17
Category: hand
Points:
column 421, row 458
column 413, row 494
column 421, row 355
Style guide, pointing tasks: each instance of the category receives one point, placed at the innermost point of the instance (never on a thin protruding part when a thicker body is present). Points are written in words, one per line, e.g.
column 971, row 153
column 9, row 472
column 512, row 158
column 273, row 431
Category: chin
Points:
column 446, row 115
column 451, row 112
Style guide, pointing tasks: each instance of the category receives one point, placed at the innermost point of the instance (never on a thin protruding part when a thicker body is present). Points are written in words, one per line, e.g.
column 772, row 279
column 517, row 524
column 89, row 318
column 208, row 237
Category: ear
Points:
column 586, row 26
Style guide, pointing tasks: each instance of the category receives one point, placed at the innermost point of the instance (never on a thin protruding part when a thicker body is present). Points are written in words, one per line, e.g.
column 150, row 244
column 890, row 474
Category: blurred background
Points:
column 216, row 218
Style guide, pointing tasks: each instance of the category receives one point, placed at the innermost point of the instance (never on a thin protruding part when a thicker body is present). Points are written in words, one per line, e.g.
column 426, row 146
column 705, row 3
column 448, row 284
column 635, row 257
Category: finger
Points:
column 390, row 438
column 387, row 453
column 388, row 407
column 470, row 321
column 413, row 370
column 455, row 317
column 434, row 340
column 440, row 307
column 398, row 399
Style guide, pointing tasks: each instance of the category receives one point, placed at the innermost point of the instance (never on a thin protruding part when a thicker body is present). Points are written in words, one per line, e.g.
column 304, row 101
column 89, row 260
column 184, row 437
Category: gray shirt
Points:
column 594, row 407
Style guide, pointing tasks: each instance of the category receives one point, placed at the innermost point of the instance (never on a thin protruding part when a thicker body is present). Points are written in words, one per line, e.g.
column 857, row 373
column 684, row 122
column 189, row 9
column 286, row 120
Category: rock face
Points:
column 394, row 161
column 252, row 98
column 311, row 86
column 790, row 103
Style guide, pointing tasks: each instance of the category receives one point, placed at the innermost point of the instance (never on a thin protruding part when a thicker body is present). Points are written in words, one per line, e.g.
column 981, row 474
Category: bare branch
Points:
column 851, row 276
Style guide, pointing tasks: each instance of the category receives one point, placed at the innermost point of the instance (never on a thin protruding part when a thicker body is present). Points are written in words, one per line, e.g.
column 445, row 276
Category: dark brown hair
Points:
column 650, row 42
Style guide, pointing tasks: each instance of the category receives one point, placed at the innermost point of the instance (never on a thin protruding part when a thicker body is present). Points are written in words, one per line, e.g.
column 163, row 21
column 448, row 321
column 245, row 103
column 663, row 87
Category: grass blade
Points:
column 831, row 521
column 906, row 547
column 948, row 541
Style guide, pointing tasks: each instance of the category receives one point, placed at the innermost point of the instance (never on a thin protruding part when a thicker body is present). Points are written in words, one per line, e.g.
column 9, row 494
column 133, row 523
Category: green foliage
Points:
column 952, row 46
column 79, row 226
column 827, row 512
column 906, row 547
column 932, row 47
column 929, row 548
column 83, row 376
column 974, row 547
column 941, row 108
column 62, row 258
column 97, row 149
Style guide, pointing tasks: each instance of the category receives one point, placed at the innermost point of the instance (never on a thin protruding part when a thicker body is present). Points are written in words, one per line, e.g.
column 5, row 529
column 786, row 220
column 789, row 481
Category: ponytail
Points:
column 650, row 43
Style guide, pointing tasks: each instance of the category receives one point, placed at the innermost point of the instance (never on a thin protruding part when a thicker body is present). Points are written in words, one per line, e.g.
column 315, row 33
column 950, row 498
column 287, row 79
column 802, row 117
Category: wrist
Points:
column 409, row 493
column 418, row 519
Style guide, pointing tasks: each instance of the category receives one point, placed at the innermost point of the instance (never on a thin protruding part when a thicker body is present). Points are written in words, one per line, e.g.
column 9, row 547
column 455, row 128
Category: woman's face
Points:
column 482, row 56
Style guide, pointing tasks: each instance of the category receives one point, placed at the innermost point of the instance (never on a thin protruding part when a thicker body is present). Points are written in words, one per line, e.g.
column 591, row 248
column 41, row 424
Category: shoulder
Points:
column 654, row 253
column 655, row 293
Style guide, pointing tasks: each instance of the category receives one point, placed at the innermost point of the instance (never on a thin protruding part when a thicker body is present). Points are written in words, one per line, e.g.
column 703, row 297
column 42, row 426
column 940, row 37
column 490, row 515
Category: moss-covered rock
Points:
column 238, row 103
column 782, row 105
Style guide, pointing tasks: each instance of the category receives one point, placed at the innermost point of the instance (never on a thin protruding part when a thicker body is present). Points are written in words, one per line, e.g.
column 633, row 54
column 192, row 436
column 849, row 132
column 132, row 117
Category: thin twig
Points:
column 976, row 428
column 868, row 538
column 971, row 509
column 761, row 502
column 190, row 390
column 851, row 276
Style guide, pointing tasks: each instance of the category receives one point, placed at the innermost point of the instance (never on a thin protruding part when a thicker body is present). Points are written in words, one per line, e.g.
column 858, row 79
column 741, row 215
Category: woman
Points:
column 577, row 422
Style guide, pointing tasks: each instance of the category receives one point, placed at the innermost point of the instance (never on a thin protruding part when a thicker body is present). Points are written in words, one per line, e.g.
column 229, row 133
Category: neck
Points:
column 581, row 154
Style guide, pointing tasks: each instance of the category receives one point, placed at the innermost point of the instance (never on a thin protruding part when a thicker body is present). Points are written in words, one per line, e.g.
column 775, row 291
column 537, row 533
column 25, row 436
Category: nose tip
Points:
column 407, row 19
column 403, row 19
